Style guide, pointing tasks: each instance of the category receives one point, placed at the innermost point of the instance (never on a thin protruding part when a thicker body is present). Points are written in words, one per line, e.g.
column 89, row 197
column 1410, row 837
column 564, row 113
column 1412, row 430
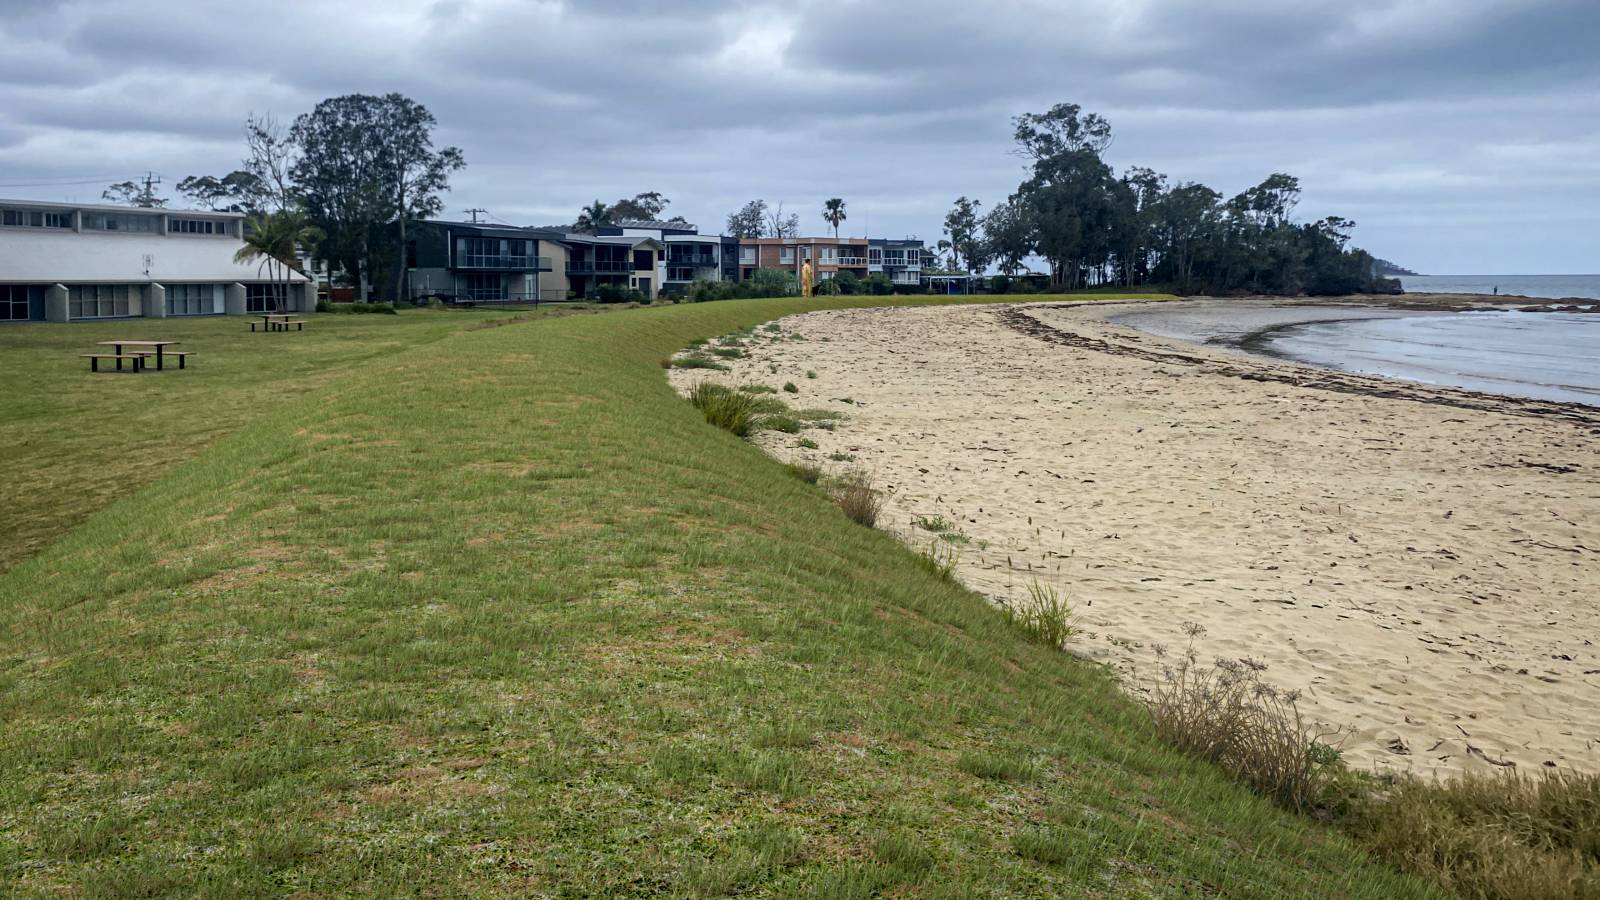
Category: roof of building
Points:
column 624, row 240
column 108, row 207
column 806, row 240
column 657, row 224
column 57, row 255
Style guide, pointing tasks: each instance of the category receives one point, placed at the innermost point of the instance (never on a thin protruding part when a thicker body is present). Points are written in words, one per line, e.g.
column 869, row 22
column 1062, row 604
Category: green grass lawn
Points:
column 478, row 612
column 76, row 441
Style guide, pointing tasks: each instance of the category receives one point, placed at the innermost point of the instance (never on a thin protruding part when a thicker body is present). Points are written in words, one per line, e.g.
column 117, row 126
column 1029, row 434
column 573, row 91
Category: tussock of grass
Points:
column 1045, row 618
column 732, row 411
column 1505, row 835
column 861, row 502
column 758, row 389
column 940, row 559
column 791, row 388
column 806, row 444
column 1227, row 714
column 810, row 474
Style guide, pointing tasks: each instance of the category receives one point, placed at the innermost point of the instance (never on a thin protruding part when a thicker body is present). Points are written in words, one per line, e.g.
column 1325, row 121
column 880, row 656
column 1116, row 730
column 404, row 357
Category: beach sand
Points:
column 1420, row 563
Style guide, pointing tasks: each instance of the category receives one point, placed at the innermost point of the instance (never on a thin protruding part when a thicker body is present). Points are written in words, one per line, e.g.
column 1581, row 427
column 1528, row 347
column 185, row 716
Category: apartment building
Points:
column 828, row 256
column 623, row 260
column 63, row 262
column 688, row 256
column 899, row 260
column 469, row 262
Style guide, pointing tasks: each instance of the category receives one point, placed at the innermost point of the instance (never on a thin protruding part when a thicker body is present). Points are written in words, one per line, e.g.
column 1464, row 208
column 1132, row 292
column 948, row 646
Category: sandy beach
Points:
column 1420, row 562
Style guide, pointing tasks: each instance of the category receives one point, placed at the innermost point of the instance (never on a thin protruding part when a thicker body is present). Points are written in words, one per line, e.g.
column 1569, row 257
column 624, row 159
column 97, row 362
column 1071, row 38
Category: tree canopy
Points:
column 1094, row 227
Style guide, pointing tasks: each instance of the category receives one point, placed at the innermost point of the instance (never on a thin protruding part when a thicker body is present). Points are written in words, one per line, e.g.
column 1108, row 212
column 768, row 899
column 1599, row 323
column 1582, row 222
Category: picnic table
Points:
column 158, row 345
column 278, row 322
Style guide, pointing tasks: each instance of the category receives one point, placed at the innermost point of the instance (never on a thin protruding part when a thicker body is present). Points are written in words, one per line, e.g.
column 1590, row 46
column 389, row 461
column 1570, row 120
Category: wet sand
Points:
column 1420, row 562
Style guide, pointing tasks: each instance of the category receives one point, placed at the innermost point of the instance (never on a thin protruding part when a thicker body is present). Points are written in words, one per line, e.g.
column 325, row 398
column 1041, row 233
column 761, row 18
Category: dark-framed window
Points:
column 21, row 302
column 264, row 297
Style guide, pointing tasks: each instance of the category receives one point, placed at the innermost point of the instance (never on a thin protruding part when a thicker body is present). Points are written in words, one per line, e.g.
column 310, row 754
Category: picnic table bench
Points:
column 159, row 352
column 94, row 360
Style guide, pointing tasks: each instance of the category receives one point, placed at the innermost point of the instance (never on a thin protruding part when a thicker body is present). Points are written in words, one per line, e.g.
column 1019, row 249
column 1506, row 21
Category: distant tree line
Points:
column 1093, row 227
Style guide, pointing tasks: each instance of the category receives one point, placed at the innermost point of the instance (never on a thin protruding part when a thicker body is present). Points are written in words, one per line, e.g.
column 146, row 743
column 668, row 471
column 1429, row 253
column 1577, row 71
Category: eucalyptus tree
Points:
column 750, row 221
column 364, row 162
column 962, row 227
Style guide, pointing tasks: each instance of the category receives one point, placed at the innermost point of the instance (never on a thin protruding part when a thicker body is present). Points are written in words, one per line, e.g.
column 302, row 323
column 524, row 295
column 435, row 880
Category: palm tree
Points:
column 595, row 216
column 833, row 214
column 274, row 242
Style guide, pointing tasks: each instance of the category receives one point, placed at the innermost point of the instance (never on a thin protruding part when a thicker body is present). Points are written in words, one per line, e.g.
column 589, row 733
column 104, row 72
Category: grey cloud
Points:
column 1432, row 124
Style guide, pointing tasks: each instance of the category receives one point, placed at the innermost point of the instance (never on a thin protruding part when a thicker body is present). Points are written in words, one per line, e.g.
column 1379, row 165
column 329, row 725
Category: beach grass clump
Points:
column 782, row 422
column 861, row 502
column 758, row 389
column 729, row 352
column 806, row 444
column 790, row 387
column 940, row 559
column 1047, row 618
column 935, row 524
column 733, row 411
column 1228, row 714
column 810, row 473
column 811, row 373
column 1502, row 835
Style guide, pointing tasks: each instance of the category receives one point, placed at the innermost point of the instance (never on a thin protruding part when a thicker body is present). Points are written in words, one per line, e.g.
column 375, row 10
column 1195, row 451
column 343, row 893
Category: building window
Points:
column 119, row 222
column 263, row 297
column 494, row 253
column 825, row 254
column 643, row 261
column 192, row 299
column 875, row 256
column 486, row 286
column 17, row 301
column 35, row 218
column 747, row 256
column 97, row 301
column 196, row 226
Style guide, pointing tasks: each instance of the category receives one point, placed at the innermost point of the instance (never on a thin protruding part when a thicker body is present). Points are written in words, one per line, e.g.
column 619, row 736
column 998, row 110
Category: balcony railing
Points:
column 698, row 261
column 599, row 266
column 525, row 263
column 848, row 261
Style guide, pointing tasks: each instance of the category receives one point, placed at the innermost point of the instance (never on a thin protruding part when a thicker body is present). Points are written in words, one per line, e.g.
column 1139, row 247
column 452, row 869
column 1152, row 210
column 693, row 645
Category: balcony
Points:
column 522, row 263
column 696, row 261
column 599, row 266
column 852, row 261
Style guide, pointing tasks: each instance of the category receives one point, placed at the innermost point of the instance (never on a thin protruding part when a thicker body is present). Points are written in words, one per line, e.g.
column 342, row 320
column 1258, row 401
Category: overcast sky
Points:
column 1462, row 135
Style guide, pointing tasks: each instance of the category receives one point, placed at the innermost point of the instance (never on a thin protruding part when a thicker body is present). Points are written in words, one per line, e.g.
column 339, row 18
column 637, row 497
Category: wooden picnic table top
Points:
column 274, row 315
column 138, row 343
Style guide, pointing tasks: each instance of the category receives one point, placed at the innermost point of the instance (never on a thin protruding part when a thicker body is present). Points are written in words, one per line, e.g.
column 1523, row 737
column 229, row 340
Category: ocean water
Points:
column 1547, row 356
column 1552, row 286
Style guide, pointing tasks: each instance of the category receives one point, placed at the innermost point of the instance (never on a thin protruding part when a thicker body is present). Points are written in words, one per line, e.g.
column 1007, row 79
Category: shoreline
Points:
column 1417, row 569
column 1245, row 327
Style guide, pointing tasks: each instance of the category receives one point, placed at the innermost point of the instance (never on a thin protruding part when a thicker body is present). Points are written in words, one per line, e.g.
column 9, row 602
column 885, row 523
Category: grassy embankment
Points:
column 503, row 614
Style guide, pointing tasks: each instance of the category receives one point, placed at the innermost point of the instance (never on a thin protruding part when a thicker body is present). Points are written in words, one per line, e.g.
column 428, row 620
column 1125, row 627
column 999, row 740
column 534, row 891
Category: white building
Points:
column 63, row 262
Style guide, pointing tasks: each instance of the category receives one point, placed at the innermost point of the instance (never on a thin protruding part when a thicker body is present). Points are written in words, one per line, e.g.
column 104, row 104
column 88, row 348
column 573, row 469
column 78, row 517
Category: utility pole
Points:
column 151, row 179
column 474, row 213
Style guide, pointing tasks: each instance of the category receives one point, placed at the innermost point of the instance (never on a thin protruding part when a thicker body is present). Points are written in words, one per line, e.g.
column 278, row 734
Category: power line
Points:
column 68, row 183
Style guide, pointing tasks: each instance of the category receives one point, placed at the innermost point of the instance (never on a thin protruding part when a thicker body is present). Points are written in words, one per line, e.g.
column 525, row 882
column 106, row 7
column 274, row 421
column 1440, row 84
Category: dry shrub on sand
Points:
column 858, row 498
column 1227, row 714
